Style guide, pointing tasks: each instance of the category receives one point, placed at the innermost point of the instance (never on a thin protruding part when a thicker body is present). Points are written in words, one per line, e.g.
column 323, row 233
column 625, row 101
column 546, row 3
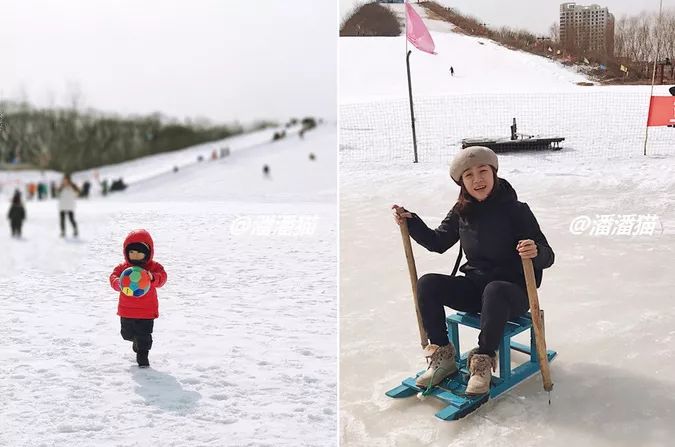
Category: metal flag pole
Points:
column 410, row 97
column 656, row 58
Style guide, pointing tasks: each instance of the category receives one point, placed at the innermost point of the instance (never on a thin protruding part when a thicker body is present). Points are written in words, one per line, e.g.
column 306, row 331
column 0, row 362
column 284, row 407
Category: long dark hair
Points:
column 465, row 201
column 67, row 178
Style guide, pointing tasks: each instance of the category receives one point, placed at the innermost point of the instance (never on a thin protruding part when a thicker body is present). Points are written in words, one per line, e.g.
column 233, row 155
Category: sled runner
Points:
column 451, row 390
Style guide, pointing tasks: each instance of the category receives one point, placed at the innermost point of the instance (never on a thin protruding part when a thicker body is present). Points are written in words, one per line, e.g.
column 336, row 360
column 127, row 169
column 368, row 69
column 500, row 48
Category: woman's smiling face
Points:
column 479, row 181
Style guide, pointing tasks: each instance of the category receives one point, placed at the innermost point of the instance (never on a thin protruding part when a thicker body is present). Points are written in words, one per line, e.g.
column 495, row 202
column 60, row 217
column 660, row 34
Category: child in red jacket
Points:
column 137, row 314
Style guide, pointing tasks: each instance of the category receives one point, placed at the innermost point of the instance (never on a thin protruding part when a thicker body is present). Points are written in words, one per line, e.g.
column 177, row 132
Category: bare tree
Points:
column 636, row 38
column 570, row 43
column 554, row 32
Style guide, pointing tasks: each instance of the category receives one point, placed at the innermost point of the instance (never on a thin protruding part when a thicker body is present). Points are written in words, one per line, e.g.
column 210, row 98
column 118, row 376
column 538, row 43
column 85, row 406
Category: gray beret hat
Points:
column 470, row 157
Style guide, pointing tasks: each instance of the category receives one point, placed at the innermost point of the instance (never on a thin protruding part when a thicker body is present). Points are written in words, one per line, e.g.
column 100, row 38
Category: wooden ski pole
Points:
column 537, row 324
column 412, row 270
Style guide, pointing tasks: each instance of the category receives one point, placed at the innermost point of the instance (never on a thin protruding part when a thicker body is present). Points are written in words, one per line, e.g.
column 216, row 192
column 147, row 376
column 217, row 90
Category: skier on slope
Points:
column 496, row 231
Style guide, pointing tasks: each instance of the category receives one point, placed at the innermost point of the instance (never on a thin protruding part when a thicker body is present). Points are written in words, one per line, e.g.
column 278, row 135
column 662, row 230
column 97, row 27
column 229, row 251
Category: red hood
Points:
column 141, row 236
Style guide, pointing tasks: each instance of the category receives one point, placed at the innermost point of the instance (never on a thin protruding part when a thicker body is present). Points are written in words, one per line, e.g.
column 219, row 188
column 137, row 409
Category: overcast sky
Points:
column 223, row 60
column 536, row 16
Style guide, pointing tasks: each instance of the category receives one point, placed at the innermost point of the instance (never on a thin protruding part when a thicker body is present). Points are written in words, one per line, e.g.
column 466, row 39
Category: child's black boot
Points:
column 142, row 359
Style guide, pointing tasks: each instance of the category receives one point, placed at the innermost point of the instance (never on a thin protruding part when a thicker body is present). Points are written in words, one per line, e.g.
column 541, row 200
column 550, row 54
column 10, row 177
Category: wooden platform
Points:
column 523, row 144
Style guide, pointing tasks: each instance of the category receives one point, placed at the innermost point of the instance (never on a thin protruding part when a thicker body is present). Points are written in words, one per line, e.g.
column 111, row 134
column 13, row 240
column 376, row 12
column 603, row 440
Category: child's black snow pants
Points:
column 16, row 227
column 140, row 329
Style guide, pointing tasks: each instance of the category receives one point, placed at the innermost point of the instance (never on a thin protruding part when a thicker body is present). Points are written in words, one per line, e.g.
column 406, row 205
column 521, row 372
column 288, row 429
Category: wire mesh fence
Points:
column 601, row 123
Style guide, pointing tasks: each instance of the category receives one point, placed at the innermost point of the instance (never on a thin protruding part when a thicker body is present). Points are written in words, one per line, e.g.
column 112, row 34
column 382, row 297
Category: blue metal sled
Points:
column 452, row 389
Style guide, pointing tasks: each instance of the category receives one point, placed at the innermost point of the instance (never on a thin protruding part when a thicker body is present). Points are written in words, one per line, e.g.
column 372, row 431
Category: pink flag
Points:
column 418, row 34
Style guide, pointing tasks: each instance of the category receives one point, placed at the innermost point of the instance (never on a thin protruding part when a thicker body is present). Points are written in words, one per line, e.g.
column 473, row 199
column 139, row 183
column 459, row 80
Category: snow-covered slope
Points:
column 377, row 69
column 245, row 346
column 145, row 167
column 292, row 175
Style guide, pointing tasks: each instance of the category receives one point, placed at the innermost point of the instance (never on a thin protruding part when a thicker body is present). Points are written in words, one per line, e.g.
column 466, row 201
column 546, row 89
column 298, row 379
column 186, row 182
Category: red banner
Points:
column 661, row 111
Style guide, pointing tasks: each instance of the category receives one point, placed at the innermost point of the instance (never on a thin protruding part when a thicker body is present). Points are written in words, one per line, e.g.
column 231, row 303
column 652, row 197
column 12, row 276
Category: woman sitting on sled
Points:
column 495, row 231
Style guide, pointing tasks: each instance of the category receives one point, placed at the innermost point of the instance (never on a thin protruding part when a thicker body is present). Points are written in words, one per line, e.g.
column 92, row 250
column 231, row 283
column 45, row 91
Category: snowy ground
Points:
column 245, row 346
column 608, row 298
column 608, row 302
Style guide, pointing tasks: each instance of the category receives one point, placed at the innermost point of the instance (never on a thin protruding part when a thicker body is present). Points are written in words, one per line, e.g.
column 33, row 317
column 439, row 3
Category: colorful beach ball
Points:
column 135, row 281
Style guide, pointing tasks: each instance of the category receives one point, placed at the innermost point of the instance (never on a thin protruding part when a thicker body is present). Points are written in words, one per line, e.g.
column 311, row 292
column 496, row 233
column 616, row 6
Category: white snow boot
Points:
column 480, row 367
column 441, row 360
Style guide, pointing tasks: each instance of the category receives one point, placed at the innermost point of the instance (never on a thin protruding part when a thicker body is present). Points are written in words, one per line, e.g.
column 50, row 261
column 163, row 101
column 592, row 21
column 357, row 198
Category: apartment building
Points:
column 587, row 29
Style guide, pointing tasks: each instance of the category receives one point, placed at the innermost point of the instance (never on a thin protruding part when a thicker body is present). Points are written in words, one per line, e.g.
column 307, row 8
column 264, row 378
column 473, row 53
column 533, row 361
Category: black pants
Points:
column 140, row 329
column 16, row 227
column 71, row 216
column 497, row 302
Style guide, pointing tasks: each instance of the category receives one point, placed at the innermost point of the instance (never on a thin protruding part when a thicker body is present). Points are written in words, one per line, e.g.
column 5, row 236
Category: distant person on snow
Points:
column 86, row 186
column 68, row 192
column 32, row 189
column 137, row 314
column 118, row 185
column 41, row 190
column 16, row 214
column 452, row 71
column 496, row 232
column 266, row 170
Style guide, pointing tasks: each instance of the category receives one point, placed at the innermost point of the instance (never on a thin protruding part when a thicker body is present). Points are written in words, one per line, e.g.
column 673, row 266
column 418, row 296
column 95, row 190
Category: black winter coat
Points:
column 17, row 213
column 489, row 232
